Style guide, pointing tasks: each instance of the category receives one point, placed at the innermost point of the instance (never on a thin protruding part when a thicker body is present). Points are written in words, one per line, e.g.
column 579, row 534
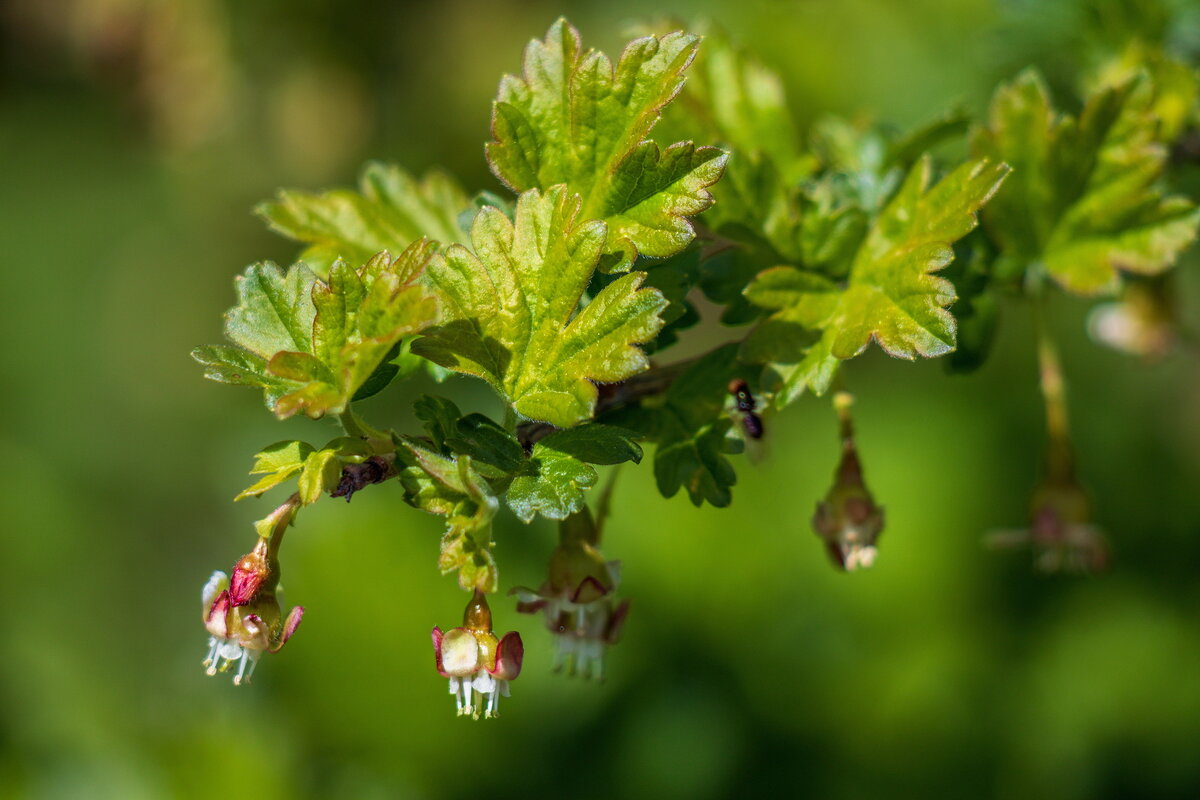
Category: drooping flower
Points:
column 242, row 614
column 577, row 599
column 848, row 520
column 1060, row 533
column 478, row 664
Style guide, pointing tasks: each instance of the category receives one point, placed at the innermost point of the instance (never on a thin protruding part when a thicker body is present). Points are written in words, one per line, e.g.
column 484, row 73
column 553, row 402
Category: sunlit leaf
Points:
column 513, row 310
column 891, row 295
column 390, row 211
column 574, row 118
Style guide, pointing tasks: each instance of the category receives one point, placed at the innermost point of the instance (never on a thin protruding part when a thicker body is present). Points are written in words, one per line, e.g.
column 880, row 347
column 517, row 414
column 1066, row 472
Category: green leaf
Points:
column 733, row 98
column 361, row 317
column 674, row 277
column 320, row 474
column 977, row 309
column 277, row 462
column 514, row 316
column 575, row 119
column 697, row 462
column 493, row 450
column 315, row 345
column 596, row 444
column 890, row 296
column 1084, row 201
column 389, row 212
column 237, row 367
column 554, row 486
column 906, row 150
column 487, row 443
column 439, row 416
column 559, row 470
column 274, row 311
column 453, row 488
column 692, row 429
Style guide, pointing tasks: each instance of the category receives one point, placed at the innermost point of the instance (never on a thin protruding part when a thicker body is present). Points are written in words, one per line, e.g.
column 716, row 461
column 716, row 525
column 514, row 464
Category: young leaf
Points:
column 1083, row 201
column 320, row 474
column 361, row 316
column 391, row 211
column 453, row 488
column 734, row 99
column 315, row 345
column 560, row 469
column 277, row 463
column 514, row 316
column 274, row 312
column 238, row 367
column 891, row 295
column 574, row 119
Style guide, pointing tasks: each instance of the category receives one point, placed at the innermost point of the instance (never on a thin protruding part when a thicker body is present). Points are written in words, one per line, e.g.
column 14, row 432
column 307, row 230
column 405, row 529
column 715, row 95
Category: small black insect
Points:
column 745, row 403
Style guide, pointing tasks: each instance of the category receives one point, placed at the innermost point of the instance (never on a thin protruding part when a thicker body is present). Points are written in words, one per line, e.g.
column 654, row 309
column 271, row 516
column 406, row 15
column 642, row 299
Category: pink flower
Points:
column 242, row 615
column 476, row 662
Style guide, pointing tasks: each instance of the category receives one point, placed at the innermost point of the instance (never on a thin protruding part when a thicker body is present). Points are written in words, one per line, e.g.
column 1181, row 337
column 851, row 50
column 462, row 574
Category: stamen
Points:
column 211, row 659
column 237, row 679
column 253, row 664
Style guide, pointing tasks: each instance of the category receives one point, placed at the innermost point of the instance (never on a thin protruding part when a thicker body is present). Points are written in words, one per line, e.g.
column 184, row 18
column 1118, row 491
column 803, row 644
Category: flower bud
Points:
column 847, row 519
column 476, row 662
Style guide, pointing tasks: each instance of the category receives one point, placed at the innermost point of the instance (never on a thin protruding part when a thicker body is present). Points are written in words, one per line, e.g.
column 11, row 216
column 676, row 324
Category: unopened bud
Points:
column 848, row 520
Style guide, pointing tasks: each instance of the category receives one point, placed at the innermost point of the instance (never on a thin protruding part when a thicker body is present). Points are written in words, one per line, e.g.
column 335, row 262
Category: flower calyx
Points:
column 478, row 663
column 848, row 520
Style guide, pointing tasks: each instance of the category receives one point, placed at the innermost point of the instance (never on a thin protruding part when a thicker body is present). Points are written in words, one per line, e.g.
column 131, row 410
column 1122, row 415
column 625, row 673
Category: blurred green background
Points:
column 134, row 138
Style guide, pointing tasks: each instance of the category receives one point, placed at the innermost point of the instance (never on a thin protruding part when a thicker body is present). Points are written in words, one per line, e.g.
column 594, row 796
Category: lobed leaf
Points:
column 1084, row 202
column 391, row 210
column 512, row 309
column 495, row 452
column 453, row 488
column 277, row 463
column 314, row 345
column 560, row 469
column 692, row 430
column 574, row 118
column 890, row 296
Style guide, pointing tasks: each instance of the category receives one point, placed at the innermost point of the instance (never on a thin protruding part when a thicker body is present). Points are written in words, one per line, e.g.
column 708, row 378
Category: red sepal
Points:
column 437, row 651
column 509, row 655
